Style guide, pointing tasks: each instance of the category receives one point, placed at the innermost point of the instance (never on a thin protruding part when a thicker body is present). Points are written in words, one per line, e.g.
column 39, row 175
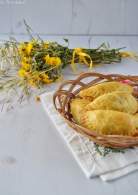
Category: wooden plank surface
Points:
column 73, row 17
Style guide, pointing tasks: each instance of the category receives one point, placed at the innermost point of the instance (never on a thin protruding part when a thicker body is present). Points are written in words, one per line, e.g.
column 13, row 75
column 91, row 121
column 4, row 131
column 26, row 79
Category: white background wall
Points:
column 72, row 17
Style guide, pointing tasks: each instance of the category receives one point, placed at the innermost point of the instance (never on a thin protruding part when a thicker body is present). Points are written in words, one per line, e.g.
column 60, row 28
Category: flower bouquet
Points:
column 36, row 63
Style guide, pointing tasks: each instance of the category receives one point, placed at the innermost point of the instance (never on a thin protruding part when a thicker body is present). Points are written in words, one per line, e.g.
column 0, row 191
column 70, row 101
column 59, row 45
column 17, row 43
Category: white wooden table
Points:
column 33, row 158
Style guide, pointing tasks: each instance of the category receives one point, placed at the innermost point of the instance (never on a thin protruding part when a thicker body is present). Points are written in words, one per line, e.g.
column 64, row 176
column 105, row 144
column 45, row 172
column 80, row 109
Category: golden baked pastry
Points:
column 135, row 120
column 117, row 100
column 77, row 107
column 109, row 122
column 106, row 87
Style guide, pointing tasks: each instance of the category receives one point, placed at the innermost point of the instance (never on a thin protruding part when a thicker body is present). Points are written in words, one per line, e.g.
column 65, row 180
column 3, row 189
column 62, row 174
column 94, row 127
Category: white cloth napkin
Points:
column 110, row 167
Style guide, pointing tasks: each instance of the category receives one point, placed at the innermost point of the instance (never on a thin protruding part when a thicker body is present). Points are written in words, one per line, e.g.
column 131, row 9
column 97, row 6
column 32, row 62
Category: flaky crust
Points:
column 118, row 100
column 109, row 122
column 103, row 88
column 77, row 106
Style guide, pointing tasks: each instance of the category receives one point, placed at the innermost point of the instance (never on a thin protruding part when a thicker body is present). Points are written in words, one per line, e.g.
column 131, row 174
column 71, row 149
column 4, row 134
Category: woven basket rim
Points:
column 66, row 92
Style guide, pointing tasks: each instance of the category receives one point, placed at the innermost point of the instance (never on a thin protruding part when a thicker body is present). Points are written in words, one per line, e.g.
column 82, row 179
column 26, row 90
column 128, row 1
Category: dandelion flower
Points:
column 22, row 73
column 53, row 61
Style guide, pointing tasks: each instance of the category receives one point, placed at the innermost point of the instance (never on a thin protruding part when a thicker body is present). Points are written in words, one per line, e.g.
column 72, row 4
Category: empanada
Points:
column 106, row 87
column 117, row 100
column 135, row 120
column 109, row 122
column 77, row 106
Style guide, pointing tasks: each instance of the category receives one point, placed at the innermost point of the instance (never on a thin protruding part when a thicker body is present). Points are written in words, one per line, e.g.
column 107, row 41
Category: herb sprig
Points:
column 104, row 151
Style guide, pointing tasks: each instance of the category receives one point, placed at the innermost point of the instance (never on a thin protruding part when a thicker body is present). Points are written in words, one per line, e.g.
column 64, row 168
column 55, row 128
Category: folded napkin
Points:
column 110, row 167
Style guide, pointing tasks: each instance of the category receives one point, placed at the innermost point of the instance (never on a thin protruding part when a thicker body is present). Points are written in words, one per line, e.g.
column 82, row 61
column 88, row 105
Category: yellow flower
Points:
column 45, row 78
column 56, row 61
column 53, row 61
column 25, row 66
column 26, row 48
column 28, row 60
column 25, row 59
column 29, row 48
column 22, row 73
column 22, row 49
column 35, row 76
column 32, row 82
column 33, row 79
column 30, row 45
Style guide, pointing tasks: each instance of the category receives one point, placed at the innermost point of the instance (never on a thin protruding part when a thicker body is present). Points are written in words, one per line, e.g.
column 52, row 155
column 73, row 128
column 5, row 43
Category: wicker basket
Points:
column 70, row 89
